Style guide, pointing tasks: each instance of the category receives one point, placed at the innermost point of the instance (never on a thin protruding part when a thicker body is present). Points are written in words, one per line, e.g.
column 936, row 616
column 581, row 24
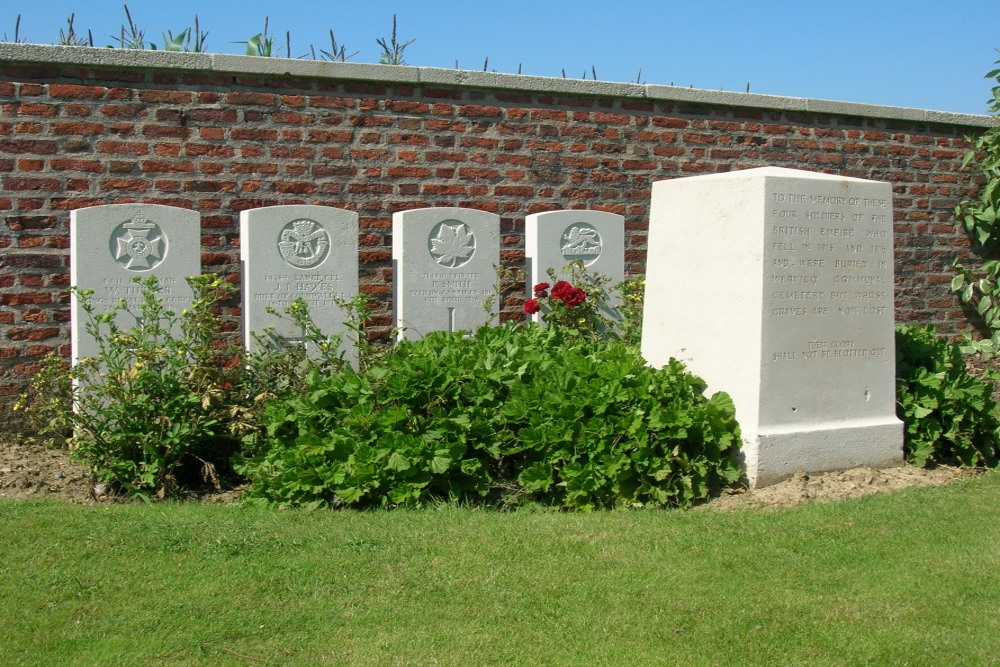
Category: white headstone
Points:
column 110, row 245
column 776, row 286
column 291, row 252
column 554, row 239
column 444, row 267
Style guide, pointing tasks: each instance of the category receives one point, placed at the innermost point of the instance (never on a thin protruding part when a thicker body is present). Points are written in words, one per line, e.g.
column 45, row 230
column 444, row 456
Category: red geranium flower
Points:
column 574, row 297
column 540, row 290
column 531, row 306
column 560, row 290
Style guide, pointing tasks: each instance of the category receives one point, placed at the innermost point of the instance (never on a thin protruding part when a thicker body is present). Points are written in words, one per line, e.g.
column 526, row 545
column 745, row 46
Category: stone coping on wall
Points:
column 261, row 66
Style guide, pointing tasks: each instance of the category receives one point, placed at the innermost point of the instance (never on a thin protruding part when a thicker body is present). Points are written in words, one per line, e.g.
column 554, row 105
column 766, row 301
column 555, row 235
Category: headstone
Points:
column 554, row 239
column 445, row 263
column 291, row 252
column 110, row 245
column 776, row 286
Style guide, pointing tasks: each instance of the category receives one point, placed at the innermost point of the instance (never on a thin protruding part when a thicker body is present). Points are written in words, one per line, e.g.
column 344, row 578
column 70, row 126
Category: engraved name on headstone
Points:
column 112, row 244
column 444, row 268
column 776, row 286
column 554, row 239
column 298, row 252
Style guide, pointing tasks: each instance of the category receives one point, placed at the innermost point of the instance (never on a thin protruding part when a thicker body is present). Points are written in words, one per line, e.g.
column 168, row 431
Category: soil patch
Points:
column 33, row 471
column 837, row 485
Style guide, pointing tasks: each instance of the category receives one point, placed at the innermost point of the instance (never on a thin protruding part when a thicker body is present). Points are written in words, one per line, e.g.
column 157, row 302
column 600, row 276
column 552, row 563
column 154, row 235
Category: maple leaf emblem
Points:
column 453, row 245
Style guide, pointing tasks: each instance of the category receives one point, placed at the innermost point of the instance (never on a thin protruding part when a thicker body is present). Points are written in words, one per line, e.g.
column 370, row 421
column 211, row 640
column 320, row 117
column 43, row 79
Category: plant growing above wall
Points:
column 392, row 51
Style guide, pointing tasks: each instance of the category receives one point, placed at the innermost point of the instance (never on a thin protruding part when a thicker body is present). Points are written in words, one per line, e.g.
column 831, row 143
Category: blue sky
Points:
column 908, row 53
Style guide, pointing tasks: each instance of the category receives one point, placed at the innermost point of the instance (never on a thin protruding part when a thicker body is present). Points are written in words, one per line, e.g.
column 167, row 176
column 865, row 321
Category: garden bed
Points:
column 32, row 471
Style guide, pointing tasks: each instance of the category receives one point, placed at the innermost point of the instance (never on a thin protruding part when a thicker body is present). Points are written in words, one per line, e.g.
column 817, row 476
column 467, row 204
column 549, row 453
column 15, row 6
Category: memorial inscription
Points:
column 112, row 245
column 798, row 267
column 444, row 263
column 596, row 239
column 297, row 252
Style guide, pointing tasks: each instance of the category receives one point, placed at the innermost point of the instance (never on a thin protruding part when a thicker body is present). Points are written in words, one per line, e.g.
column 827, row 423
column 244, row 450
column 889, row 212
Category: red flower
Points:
column 561, row 289
column 531, row 306
column 574, row 297
column 235, row 361
column 540, row 290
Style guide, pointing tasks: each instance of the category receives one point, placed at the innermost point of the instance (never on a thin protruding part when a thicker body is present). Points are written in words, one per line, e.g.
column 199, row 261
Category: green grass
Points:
column 907, row 578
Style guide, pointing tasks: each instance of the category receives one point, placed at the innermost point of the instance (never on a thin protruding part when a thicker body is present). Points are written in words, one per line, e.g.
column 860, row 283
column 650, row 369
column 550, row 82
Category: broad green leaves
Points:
column 949, row 415
column 979, row 217
column 512, row 415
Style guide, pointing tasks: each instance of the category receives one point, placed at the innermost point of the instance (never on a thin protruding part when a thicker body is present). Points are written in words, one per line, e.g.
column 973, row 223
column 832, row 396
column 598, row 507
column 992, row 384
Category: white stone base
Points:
column 774, row 456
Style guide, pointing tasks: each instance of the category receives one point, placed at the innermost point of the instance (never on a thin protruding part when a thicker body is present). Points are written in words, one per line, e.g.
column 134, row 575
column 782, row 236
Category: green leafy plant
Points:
column 583, row 303
column 17, row 33
column 337, row 52
column 632, row 293
column 130, row 35
column 182, row 42
column 949, row 415
column 392, row 51
column 511, row 414
column 70, row 37
column 153, row 405
column 981, row 219
column 261, row 44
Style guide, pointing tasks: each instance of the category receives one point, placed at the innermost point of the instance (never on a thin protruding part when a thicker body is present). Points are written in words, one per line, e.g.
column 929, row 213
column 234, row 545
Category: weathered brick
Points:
column 75, row 91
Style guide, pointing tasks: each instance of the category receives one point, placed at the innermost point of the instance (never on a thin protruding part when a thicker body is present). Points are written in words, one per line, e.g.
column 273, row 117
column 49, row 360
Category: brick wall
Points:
column 222, row 134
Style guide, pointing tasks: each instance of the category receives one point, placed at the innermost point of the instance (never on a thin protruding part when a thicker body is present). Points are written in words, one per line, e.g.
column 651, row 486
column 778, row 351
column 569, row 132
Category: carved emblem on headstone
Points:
column 303, row 243
column 452, row 245
column 581, row 242
column 138, row 244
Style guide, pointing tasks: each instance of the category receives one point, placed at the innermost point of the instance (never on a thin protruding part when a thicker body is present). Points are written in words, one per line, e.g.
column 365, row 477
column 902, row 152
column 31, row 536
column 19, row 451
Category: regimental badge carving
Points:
column 581, row 242
column 304, row 243
column 451, row 243
column 138, row 244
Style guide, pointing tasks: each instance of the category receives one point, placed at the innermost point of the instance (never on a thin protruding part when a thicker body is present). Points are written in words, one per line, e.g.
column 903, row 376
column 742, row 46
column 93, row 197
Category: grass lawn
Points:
column 906, row 578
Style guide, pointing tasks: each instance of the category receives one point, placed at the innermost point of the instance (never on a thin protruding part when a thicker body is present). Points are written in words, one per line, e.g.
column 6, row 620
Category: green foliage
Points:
column 261, row 44
column 132, row 36
column 278, row 368
column 512, row 414
column 70, row 37
column 633, row 293
column 153, row 404
column 583, row 303
column 949, row 415
column 182, row 42
column 337, row 52
column 981, row 219
column 392, row 51
column 16, row 39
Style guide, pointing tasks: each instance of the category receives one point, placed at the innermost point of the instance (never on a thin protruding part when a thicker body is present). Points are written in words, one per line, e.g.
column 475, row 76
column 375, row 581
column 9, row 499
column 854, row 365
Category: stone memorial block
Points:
column 776, row 286
column 444, row 267
column 110, row 245
column 596, row 239
column 291, row 252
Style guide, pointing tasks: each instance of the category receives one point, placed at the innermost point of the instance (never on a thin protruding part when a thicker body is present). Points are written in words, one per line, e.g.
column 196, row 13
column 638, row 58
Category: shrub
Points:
column 155, row 398
column 949, row 415
column 511, row 414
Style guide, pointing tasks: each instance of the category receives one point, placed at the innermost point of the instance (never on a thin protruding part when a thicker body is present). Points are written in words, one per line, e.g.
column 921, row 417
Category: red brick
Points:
column 251, row 98
column 123, row 147
column 22, row 146
column 70, row 164
column 166, row 131
column 77, row 91
column 166, row 96
column 253, row 134
column 21, row 184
